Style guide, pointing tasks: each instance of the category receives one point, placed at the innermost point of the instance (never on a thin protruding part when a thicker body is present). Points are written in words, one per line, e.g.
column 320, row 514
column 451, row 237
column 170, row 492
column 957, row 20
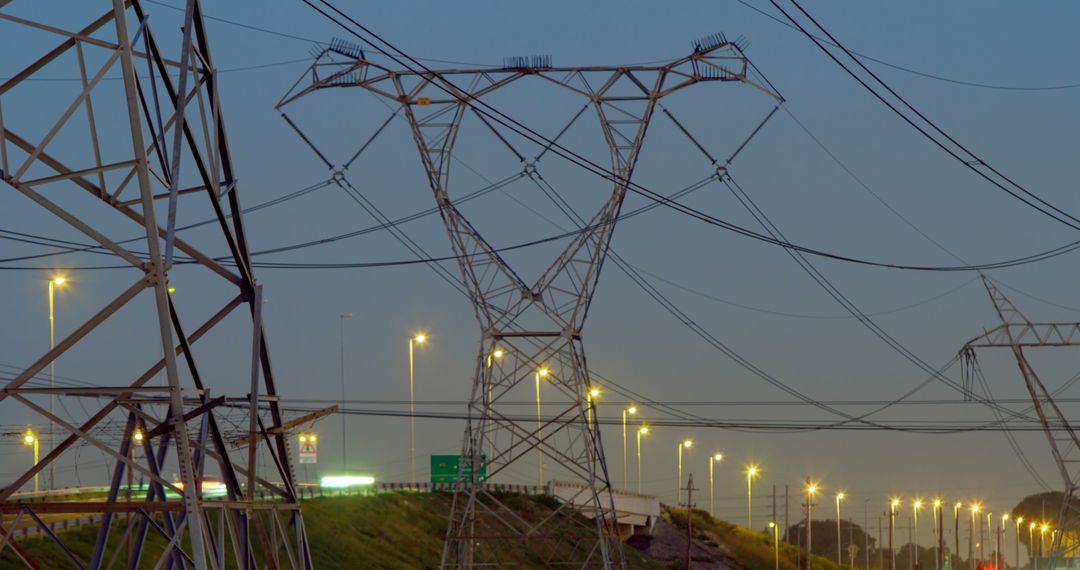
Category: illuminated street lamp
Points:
column 541, row 373
column 714, row 458
column 839, row 497
column 776, row 544
column 54, row 282
column 938, row 544
column 751, row 472
column 811, row 490
column 30, row 439
column 1019, row 521
column 971, row 535
column 420, row 338
column 643, row 430
column 956, row 533
column 893, row 505
column 631, row 410
column 1001, row 538
column 915, row 509
column 678, row 478
column 1031, row 546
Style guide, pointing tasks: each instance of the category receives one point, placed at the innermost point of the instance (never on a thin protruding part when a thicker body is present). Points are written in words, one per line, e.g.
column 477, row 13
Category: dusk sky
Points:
column 748, row 294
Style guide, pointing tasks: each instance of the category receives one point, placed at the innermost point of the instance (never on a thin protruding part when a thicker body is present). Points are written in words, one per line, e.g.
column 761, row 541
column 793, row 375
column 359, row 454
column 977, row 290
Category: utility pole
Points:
column 892, row 525
column 866, row 531
column 940, row 538
column 998, row 559
column 810, row 490
column 881, row 551
column 689, row 521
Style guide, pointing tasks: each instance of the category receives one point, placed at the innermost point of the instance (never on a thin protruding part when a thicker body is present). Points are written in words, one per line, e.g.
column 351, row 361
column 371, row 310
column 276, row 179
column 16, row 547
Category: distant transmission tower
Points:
column 1017, row 333
column 135, row 139
column 531, row 332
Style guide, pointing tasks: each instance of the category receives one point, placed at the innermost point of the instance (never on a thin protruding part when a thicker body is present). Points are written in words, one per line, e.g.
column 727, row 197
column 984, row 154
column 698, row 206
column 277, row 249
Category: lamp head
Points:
column 498, row 353
column 303, row 438
column 643, row 430
column 58, row 280
column 1019, row 521
column 958, row 505
column 840, row 496
column 812, row 488
column 937, row 503
column 594, row 392
column 752, row 471
column 29, row 439
column 543, row 372
column 687, row 443
column 718, row 457
column 1044, row 527
column 975, row 508
column 138, row 435
column 1032, row 527
column 420, row 338
column 631, row 410
column 772, row 524
column 894, row 503
column 917, row 504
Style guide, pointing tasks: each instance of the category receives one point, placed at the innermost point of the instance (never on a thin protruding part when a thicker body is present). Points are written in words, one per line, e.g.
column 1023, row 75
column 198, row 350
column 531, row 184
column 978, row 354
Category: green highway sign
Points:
column 444, row 469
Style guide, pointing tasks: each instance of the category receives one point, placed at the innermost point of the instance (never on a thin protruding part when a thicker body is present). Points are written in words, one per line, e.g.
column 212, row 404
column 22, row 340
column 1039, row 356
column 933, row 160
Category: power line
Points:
column 922, row 73
column 972, row 161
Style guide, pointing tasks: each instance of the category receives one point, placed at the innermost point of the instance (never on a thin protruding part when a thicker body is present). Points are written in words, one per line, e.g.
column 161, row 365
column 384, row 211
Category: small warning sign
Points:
column 309, row 449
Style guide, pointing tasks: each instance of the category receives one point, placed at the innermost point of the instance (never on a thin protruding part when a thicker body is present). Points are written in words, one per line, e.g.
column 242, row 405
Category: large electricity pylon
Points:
column 531, row 331
column 1016, row 332
column 139, row 140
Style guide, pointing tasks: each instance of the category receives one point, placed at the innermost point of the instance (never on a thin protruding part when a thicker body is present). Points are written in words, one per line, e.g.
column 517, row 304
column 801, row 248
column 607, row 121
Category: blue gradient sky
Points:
column 1030, row 135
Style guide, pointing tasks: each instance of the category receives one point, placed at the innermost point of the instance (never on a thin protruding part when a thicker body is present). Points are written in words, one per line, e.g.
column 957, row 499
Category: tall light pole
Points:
column 30, row 439
column 982, row 541
column 915, row 509
column 56, row 281
column 590, row 403
column 939, row 523
column 839, row 497
column 971, row 536
column 1042, row 541
column 1019, row 521
column 678, row 477
column 811, row 490
column 416, row 339
column 643, row 430
column 344, row 436
column 626, row 411
column 714, row 458
column 1031, row 546
column 540, row 374
column 776, row 545
column 751, row 472
column 893, row 505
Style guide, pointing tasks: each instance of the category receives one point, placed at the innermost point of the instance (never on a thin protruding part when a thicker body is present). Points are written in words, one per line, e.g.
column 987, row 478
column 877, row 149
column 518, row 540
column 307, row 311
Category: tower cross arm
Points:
column 1028, row 335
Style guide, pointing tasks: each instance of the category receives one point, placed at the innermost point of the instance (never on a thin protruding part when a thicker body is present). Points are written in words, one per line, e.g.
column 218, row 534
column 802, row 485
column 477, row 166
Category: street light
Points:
column 714, row 458
column 839, row 497
column 542, row 372
column 1019, row 521
column 811, row 489
column 751, row 472
column 643, row 430
column 893, row 505
column 54, row 282
column 1031, row 546
column 593, row 394
column 678, row 479
column 626, row 411
column 30, row 439
column 915, row 508
column 776, row 545
column 137, row 436
column 344, row 433
column 971, row 535
column 956, row 533
column 420, row 338
column 938, row 522
column 989, row 531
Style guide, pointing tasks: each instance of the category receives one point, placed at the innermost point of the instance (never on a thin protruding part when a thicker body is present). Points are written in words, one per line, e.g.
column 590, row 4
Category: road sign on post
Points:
column 444, row 469
column 309, row 450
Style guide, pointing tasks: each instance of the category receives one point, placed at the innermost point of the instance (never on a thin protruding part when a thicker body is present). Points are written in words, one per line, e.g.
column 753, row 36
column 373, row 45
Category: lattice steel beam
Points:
column 164, row 126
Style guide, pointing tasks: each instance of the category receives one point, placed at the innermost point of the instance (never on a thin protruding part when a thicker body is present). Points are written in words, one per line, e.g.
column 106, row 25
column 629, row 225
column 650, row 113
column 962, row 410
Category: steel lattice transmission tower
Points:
column 1017, row 333
column 140, row 140
column 531, row 331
